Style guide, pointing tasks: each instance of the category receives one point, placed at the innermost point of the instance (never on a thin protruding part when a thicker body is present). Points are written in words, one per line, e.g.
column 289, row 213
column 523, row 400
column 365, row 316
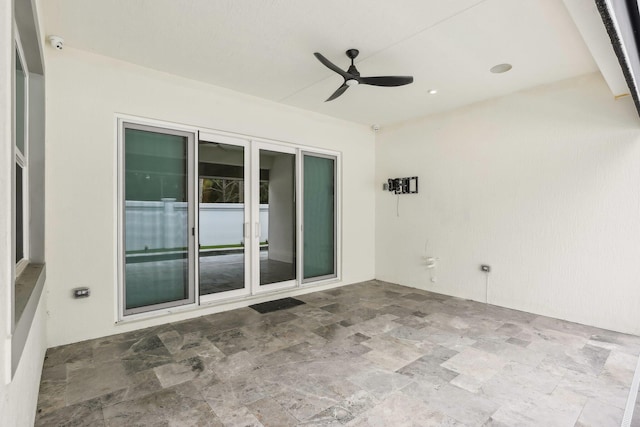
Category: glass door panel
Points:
column 319, row 217
column 157, row 216
column 223, row 194
column 277, row 217
column 19, row 214
column 21, row 103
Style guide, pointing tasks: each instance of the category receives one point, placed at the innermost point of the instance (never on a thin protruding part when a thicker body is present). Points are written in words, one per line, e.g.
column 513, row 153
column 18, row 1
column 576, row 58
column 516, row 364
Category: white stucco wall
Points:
column 543, row 185
column 84, row 92
column 18, row 398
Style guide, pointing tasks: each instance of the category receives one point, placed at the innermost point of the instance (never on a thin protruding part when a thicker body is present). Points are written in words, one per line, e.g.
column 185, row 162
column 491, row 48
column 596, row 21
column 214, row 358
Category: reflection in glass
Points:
column 277, row 217
column 20, row 103
column 19, row 215
column 156, row 218
column 221, row 208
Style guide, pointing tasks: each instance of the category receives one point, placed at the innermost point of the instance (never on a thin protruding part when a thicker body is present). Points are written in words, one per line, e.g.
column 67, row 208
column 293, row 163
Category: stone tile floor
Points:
column 369, row 354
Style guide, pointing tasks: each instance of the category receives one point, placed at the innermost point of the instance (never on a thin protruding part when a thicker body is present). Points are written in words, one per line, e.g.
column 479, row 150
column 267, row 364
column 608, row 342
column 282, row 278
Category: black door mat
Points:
column 279, row 304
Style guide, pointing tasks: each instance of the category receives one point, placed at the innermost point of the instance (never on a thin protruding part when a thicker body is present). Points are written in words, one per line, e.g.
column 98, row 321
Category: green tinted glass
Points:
column 319, row 216
column 156, row 218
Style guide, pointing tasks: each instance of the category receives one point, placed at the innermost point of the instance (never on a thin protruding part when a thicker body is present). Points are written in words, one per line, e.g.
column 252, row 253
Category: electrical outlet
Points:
column 81, row 293
column 485, row 268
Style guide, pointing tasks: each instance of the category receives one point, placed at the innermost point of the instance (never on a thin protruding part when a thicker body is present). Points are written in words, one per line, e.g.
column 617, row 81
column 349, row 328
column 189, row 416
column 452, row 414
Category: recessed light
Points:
column 500, row 68
column 433, row 91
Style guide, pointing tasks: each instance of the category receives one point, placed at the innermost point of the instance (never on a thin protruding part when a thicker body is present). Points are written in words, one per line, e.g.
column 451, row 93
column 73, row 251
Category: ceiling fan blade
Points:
column 338, row 92
column 386, row 80
column 330, row 65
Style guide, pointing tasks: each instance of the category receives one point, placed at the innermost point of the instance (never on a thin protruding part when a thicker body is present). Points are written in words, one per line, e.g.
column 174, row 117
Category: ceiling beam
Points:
column 621, row 18
column 587, row 18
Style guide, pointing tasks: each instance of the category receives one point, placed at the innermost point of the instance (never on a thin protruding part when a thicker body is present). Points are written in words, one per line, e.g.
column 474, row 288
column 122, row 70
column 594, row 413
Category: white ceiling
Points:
column 265, row 48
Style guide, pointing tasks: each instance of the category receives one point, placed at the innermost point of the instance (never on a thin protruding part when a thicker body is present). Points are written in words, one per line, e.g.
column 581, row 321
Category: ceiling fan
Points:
column 352, row 75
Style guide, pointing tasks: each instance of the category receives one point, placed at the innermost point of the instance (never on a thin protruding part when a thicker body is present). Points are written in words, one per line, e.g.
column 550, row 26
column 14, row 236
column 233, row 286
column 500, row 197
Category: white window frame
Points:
column 337, row 256
column 21, row 158
column 123, row 123
column 20, row 324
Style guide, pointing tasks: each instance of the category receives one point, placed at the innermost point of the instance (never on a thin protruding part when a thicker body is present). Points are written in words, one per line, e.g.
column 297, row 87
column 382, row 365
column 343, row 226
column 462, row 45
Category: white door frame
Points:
column 336, row 219
column 248, row 193
column 190, row 134
column 256, row 146
column 252, row 147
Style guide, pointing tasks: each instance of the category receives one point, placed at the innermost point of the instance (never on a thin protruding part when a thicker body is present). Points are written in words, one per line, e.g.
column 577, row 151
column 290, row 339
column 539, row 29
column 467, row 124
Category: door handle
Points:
column 245, row 230
column 257, row 230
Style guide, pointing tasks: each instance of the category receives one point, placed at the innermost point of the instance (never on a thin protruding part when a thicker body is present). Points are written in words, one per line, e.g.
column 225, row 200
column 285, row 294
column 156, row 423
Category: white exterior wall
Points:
column 543, row 185
column 84, row 92
column 19, row 398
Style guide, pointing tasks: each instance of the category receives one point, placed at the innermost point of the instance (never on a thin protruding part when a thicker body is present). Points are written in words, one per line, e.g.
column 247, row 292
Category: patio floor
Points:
column 369, row 354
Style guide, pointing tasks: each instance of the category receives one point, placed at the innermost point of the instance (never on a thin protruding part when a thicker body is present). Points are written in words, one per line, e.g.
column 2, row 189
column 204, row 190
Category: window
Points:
column 21, row 144
column 25, row 168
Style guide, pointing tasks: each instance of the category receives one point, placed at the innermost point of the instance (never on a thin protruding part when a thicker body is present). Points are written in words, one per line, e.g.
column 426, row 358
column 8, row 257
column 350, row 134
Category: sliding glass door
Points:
column 319, row 217
column 158, row 218
column 275, row 251
column 207, row 217
column 223, row 216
